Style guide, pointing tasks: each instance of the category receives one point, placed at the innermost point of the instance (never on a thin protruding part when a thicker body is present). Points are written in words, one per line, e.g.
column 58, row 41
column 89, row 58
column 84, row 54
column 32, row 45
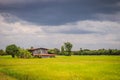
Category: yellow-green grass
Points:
column 61, row 68
column 5, row 77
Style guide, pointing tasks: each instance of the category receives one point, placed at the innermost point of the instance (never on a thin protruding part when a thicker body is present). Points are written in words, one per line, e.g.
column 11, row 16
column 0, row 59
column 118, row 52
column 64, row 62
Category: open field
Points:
column 61, row 68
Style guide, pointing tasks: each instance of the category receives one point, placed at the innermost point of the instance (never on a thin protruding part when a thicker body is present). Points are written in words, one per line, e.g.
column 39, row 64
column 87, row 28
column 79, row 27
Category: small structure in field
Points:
column 40, row 52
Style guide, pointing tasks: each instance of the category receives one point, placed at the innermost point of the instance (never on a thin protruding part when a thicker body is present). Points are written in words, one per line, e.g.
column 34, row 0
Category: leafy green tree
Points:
column 54, row 51
column 81, row 51
column 68, row 46
column 62, row 50
column 12, row 50
column 110, row 51
column 51, row 51
column 57, row 51
column 2, row 52
column 23, row 53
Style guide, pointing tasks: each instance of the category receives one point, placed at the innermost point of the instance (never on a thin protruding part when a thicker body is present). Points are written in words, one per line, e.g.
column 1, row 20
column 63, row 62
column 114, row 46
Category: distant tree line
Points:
column 66, row 49
column 97, row 52
column 88, row 52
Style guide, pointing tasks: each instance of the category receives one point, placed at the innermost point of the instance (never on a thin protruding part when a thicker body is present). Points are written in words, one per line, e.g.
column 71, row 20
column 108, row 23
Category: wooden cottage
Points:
column 40, row 52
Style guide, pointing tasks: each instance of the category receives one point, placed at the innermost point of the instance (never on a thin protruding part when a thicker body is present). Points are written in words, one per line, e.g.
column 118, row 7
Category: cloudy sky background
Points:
column 89, row 24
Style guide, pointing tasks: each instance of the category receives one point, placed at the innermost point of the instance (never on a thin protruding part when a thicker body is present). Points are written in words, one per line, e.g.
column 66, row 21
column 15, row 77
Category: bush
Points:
column 75, row 52
column 23, row 53
column 54, row 51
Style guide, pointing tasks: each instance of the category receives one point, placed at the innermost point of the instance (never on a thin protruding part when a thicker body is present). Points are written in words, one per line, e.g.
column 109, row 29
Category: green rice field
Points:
column 61, row 68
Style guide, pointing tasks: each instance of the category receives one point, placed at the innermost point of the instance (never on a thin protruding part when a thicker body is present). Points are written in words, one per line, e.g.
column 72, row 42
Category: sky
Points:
column 91, row 24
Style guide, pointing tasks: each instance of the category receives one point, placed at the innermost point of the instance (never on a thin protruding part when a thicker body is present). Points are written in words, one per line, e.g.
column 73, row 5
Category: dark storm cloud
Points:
column 52, row 12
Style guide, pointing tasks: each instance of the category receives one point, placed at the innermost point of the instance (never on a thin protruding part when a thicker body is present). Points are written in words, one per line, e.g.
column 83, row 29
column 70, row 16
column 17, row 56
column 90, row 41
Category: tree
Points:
column 51, row 51
column 57, row 51
column 62, row 50
column 2, row 52
column 12, row 50
column 23, row 53
column 81, row 51
column 54, row 51
column 110, row 51
column 68, row 46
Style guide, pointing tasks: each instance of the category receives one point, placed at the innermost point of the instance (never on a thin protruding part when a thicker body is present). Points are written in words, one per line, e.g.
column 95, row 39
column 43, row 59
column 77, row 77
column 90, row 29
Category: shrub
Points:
column 23, row 53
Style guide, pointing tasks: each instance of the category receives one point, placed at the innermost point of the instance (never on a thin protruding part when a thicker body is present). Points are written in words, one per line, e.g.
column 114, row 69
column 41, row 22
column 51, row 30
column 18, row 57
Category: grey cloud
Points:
column 82, row 33
column 112, row 17
column 73, row 31
column 54, row 12
column 98, row 23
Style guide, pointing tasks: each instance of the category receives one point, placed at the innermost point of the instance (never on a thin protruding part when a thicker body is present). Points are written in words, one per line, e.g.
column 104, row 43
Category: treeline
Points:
column 87, row 52
column 97, row 52
column 66, row 50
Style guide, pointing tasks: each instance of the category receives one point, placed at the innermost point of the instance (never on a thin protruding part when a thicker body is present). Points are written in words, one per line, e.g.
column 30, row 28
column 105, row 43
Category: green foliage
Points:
column 68, row 46
column 23, row 53
column 17, row 51
column 54, row 51
column 2, row 52
column 51, row 51
column 12, row 50
column 62, row 50
column 80, row 52
column 76, row 52
column 57, row 51
column 97, row 52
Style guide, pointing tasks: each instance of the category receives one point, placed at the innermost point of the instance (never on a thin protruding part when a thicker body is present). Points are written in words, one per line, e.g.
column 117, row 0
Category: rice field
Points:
column 61, row 68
